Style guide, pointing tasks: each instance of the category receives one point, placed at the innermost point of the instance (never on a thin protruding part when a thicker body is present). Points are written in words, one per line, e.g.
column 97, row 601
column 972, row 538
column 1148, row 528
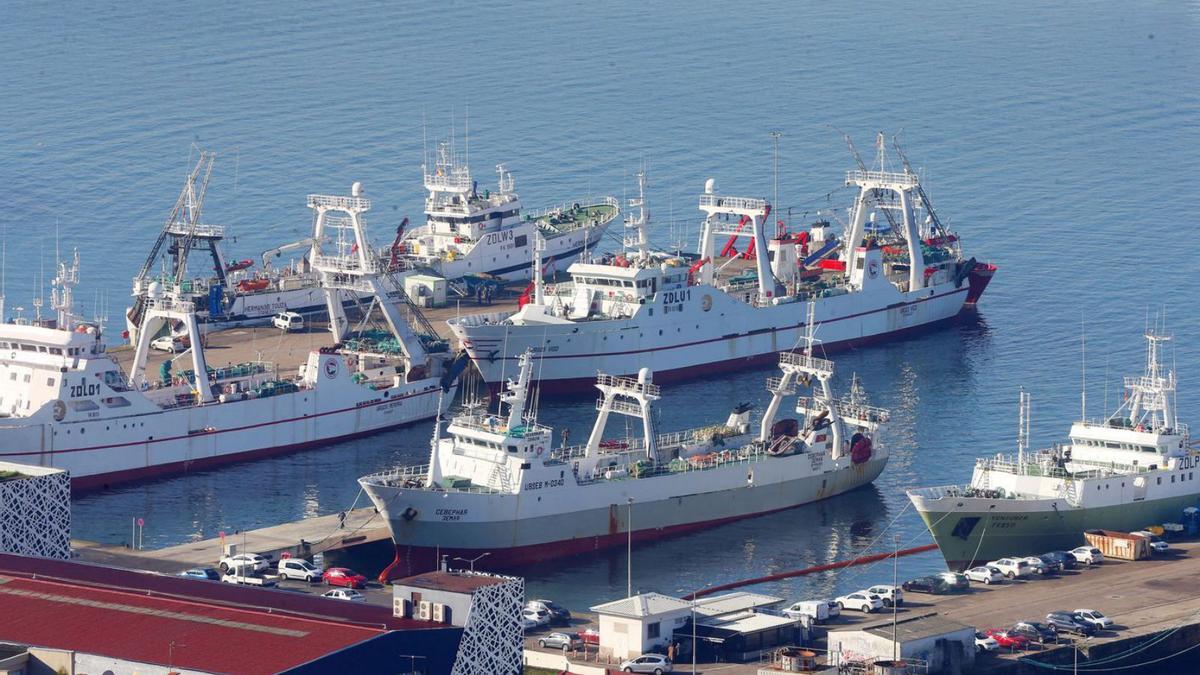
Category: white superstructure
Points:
column 724, row 308
column 469, row 232
column 65, row 403
column 497, row 484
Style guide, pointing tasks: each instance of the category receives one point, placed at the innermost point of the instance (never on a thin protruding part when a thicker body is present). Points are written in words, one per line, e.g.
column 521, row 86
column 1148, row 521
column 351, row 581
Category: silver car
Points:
column 647, row 663
column 560, row 641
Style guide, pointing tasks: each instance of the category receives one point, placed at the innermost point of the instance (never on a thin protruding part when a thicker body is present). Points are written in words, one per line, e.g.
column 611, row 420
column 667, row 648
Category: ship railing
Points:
column 566, row 207
column 806, row 362
column 628, row 384
column 170, row 304
column 709, row 201
column 448, row 181
column 940, row 491
column 858, row 177
column 775, row 384
column 346, row 263
column 846, row 409
column 749, row 454
column 339, row 202
column 490, row 424
column 416, row 478
column 202, row 231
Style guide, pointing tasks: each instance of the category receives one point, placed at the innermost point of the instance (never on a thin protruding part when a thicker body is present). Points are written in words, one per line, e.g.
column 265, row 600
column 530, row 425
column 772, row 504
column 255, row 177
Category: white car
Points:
column 1088, row 554
column 252, row 562
column 1093, row 617
column 345, row 594
column 889, row 595
column 1012, row 568
column 167, row 343
column 298, row 568
column 985, row 643
column 527, row 623
column 863, row 601
column 540, row 617
column 288, row 321
column 985, row 574
column 1157, row 545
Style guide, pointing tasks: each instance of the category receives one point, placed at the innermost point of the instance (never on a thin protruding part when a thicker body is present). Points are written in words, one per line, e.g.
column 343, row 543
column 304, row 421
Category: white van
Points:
column 288, row 321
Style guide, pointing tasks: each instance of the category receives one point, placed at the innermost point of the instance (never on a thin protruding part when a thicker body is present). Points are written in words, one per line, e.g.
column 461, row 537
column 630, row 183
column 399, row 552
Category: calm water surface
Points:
column 1059, row 139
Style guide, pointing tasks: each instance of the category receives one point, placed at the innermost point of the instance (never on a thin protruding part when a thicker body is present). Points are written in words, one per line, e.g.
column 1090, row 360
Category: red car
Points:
column 341, row 576
column 589, row 636
column 1008, row 639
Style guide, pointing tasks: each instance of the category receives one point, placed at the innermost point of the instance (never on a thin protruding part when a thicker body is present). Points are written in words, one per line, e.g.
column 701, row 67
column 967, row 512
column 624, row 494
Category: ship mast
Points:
column 518, row 391
column 635, row 226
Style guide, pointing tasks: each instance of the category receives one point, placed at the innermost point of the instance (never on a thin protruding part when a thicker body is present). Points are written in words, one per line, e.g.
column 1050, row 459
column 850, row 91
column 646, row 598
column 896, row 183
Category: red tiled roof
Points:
column 136, row 627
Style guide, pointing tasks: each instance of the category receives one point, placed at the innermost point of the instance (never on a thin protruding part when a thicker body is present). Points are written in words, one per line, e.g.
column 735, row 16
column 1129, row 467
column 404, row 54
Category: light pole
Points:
column 895, row 595
column 412, row 661
column 629, row 549
column 472, row 560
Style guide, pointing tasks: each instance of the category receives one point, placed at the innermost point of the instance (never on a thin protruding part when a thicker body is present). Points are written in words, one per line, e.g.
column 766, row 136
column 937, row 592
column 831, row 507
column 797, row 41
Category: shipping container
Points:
column 1119, row 545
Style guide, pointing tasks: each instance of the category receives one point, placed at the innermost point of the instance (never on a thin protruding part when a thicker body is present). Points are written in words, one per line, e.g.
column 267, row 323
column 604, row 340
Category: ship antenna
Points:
column 1022, row 429
column 1083, row 369
column 775, row 142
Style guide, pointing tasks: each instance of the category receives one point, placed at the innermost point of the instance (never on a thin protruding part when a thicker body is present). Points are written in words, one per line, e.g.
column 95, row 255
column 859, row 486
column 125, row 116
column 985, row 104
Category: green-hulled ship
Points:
column 1132, row 469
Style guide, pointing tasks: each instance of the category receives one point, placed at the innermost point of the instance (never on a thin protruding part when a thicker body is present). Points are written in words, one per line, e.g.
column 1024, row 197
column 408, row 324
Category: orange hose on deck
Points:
column 810, row 570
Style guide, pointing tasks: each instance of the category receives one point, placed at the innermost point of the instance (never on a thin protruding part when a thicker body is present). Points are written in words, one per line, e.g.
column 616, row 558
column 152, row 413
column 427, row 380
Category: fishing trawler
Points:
column 232, row 292
column 65, row 403
column 472, row 233
column 691, row 316
column 1132, row 469
column 498, row 485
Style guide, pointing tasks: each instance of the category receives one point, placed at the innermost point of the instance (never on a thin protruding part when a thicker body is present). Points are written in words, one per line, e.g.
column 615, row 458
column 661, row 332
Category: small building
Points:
column 643, row 623
column 425, row 290
column 486, row 606
column 733, row 626
column 943, row 644
column 35, row 511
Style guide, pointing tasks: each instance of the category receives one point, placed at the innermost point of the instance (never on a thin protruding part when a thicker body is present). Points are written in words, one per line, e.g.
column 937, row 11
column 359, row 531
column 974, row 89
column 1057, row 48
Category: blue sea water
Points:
column 1059, row 139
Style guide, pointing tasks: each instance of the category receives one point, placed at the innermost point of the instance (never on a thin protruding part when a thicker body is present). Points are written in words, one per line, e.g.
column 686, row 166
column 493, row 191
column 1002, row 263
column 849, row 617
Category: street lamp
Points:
column 412, row 661
column 629, row 549
column 472, row 560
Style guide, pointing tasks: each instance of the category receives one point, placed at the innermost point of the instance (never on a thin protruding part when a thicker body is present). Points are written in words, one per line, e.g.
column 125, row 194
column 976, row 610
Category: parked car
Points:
column 341, row 576
column 922, row 585
column 1093, row 617
column 1053, row 564
column 1088, row 555
column 560, row 641
column 205, row 573
column 527, row 623
column 1008, row 639
column 985, row 574
column 1065, row 622
column 954, row 582
column 299, row 568
column 1012, row 568
column 1066, row 558
column 558, row 613
column 1041, row 567
column 251, row 561
column 863, row 601
column 288, row 321
column 540, row 617
column 985, row 643
column 1036, row 632
column 167, row 343
column 1157, row 545
column 589, row 636
column 891, row 595
column 647, row 663
column 345, row 594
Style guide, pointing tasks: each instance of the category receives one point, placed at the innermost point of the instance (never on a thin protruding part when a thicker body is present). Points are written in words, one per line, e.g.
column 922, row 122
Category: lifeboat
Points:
column 251, row 285
column 860, row 448
column 239, row 265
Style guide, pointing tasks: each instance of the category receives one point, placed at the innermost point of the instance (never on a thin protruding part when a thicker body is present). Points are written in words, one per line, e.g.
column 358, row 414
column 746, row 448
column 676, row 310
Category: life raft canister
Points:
column 860, row 448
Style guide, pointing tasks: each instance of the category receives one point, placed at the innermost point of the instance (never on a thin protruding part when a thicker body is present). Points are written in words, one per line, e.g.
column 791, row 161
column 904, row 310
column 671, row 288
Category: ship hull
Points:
column 728, row 335
column 596, row 517
column 987, row 529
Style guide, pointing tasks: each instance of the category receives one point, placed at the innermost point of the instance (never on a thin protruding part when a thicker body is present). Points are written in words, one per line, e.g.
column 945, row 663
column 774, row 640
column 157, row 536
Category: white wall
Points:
column 636, row 639
column 458, row 603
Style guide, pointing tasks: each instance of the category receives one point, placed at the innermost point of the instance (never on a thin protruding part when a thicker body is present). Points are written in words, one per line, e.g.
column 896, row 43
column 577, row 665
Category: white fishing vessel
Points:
column 723, row 309
column 1130, row 470
column 469, row 232
column 65, row 403
column 498, row 485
